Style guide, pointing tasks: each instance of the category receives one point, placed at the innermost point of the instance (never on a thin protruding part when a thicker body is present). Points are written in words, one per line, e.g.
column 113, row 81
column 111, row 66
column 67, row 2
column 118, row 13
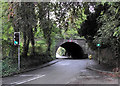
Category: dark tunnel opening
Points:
column 73, row 50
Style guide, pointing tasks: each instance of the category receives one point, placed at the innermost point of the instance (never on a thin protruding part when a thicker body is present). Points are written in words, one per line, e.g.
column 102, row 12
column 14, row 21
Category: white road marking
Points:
column 83, row 70
column 71, row 80
column 28, row 80
column 27, row 75
column 89, row 76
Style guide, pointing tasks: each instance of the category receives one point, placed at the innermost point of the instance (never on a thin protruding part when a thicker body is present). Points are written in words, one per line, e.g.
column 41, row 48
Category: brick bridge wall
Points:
column 81, row 42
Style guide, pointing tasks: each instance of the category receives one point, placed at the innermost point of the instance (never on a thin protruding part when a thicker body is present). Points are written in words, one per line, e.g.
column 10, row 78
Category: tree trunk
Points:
column 25, row 45
column 26, row 48
column 49, row 45
column 32, row 42
column 49, row 34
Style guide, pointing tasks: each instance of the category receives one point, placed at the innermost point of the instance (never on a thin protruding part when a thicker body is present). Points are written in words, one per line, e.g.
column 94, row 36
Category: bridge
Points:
column 77, row 48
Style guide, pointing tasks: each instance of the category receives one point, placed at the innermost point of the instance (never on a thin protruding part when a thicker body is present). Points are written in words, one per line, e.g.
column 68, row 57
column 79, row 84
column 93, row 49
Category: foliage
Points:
column 61, row 51
column 8, row 67
column 110, row 25
column 89, row 27
column 103, row 27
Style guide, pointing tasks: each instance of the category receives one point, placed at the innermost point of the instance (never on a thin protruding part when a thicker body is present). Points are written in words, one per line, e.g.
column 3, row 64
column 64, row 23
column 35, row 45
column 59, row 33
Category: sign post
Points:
column 17, row 43
column 98, row 45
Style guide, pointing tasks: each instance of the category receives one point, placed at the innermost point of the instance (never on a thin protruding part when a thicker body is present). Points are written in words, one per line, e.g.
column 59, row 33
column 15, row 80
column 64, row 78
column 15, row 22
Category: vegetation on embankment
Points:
column 10, row 59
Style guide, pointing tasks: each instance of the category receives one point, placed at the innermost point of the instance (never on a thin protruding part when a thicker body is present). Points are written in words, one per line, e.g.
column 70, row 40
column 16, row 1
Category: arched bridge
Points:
column 77, row 48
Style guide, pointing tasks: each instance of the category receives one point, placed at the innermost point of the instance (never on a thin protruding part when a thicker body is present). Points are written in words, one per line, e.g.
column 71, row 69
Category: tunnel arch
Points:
column 73, row 49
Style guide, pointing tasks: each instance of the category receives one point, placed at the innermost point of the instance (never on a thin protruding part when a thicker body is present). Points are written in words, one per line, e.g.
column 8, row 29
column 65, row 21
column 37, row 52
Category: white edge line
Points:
column 28, row 80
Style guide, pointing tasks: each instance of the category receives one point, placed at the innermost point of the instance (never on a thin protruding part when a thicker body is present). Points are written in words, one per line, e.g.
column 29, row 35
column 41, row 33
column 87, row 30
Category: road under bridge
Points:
column 76, row 48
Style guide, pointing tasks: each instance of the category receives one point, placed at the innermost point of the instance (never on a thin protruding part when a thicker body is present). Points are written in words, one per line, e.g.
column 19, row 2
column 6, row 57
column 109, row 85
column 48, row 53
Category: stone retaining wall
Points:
column 106, row 56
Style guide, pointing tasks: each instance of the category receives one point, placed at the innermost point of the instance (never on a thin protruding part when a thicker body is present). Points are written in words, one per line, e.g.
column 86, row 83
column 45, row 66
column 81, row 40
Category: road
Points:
column 63, row 72
column 60, row 57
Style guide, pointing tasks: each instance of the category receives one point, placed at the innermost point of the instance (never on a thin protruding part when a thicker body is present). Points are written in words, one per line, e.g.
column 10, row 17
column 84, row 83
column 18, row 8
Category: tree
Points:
column 24, row 20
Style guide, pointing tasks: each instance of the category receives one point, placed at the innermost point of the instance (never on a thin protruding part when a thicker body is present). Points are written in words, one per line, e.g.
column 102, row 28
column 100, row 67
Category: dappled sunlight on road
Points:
column 60, row 57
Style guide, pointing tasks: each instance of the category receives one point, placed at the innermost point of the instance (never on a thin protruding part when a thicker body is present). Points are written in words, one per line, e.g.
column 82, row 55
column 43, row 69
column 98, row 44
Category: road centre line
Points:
column 28, row 80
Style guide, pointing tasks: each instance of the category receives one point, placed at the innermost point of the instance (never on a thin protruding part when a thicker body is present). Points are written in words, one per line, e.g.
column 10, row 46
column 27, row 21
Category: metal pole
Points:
column 98, row 55
column 19, row 53
column 18, row 57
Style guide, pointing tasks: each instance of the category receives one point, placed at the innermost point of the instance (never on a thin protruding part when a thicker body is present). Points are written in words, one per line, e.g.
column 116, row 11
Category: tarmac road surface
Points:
column 63, row 72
